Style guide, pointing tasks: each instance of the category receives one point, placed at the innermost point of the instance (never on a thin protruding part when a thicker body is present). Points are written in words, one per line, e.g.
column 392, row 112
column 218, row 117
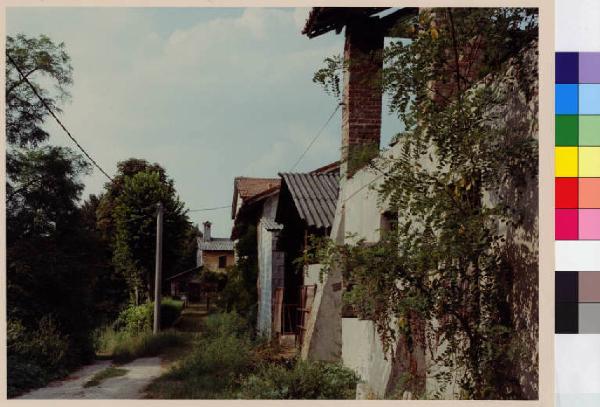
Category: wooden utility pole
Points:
column 158, row 273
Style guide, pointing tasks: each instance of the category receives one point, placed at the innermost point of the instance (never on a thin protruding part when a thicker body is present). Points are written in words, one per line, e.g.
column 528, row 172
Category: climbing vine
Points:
column 465, row 87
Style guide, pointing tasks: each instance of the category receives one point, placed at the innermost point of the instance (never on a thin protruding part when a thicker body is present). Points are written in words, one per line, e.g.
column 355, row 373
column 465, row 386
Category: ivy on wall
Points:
column 445, row 261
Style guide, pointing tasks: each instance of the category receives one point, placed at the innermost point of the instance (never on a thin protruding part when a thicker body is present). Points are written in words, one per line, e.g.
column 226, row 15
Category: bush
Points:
column 305, row 380
column 225, row 324
column 124, row 347
column 34, row 357
column 137, row 319
column 214, row 369
column 227, row 364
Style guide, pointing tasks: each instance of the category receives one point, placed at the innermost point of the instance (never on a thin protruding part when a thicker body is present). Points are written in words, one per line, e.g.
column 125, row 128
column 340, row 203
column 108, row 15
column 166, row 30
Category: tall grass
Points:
column 122, row 346
column 227, row 364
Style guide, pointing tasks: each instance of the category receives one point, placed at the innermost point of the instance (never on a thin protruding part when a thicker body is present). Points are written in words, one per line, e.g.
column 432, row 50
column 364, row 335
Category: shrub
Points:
column 225, row 324
column 213, row 370
column 136, row 319
column 305, row 380
column 34, row 357
column 146, row 344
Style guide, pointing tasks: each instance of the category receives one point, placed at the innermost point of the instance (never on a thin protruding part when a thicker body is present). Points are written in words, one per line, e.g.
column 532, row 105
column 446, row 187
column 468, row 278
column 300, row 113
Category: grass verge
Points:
column 123, row 347
column 225, row 363
column 105, row 374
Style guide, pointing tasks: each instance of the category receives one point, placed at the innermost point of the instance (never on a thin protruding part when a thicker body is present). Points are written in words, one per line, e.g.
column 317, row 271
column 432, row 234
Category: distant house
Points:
column 214, row 253
column 186, row 283
column 253, row 208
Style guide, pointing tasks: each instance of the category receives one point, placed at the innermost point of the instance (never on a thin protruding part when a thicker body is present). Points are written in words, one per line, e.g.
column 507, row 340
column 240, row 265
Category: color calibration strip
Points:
column 577, row 192
column 577, row 298
column 577, row 187
column 577, row 146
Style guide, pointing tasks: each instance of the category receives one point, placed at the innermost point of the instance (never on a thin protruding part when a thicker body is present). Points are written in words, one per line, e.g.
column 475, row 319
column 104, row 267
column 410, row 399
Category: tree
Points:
column 127, row 214
column 51, row 267
column 447, row 263
column 39, row 59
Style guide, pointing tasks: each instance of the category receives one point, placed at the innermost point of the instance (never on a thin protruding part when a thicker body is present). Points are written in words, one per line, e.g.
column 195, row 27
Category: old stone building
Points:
column 331, row 334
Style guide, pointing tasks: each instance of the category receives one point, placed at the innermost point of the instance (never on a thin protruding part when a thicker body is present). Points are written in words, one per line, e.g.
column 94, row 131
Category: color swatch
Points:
column 577, row 192
column 577, row 297
column 577, row 146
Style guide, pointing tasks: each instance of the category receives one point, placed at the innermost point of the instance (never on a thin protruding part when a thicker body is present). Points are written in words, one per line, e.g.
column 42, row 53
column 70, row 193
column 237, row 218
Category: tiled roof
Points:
column 270, row 224
column 216, row 243
column 315, row 196
column 248, row 187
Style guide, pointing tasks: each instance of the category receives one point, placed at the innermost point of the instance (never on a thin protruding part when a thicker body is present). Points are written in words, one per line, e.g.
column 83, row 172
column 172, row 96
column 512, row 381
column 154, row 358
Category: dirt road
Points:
column 139, row 374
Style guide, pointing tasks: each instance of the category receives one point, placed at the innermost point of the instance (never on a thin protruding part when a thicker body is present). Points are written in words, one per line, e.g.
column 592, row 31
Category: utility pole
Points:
column 158, row 273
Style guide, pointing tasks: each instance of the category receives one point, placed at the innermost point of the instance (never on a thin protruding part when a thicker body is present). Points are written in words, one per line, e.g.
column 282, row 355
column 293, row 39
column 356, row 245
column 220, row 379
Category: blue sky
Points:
column 208, row 93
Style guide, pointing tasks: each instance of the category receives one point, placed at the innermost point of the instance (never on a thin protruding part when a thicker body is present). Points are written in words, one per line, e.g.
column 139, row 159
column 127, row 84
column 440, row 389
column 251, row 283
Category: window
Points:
column 388, row 222
column 222, row 262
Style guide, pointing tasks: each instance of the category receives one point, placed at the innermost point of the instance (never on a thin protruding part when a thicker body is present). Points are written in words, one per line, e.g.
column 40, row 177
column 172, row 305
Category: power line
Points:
column 316, row 136
column 209, row 209
column 55, row 117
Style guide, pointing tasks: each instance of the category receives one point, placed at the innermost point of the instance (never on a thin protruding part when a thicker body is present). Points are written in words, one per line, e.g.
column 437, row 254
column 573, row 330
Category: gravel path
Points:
column 140, row 373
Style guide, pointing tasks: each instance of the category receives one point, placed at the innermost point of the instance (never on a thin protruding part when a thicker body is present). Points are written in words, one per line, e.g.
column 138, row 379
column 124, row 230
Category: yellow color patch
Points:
column 589, row 161
column 565, row 161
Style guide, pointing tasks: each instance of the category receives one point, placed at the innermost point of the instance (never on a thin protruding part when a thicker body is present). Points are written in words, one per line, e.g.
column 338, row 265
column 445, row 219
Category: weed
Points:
column 105, row 374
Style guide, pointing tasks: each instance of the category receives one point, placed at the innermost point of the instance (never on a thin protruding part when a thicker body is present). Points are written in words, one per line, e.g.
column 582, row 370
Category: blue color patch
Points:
column 565, row 99
column 589, row 99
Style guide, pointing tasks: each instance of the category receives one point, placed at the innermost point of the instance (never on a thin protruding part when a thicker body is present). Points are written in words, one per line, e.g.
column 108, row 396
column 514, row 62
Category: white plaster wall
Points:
column 363, row 353
column 312, row 274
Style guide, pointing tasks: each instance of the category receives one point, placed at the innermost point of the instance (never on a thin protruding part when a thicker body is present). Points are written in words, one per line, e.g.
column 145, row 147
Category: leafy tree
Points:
column 239, row 293
column 52, row 257
column 40, row 59
column 447, row 261
column 127, row 212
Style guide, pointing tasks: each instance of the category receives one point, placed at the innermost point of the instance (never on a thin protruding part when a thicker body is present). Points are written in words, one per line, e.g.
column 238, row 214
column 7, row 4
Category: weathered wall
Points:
column 268, row 262
column 265, row 294
column 210, row 259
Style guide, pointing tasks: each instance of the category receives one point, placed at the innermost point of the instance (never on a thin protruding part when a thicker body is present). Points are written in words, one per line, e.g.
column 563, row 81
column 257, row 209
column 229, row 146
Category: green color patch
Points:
column 105, row 374
column 589, row 130
column 566, row 130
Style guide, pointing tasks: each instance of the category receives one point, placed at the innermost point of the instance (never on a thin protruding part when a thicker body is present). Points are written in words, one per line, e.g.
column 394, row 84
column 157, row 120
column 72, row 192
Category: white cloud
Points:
column 209, row 100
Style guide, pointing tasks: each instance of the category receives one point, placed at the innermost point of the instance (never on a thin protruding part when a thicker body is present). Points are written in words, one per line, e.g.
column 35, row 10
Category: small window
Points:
column 388, row 222
column 222, row 262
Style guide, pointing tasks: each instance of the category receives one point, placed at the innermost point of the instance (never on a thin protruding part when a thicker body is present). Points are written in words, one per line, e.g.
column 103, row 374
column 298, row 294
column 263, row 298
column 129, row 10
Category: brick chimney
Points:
column 362, row 96
column 206, row 236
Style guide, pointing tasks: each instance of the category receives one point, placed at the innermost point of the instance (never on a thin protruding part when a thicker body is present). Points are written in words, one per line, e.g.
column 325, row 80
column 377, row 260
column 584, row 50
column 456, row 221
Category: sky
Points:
column 208, row 93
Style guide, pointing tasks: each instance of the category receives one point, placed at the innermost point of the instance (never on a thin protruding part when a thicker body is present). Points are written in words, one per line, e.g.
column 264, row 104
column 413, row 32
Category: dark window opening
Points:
column 222, row 262
column 388, row 222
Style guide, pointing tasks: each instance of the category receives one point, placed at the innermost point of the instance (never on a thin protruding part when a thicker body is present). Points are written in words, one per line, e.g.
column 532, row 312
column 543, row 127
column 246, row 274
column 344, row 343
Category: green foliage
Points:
column 41, row 60
column 221, row 356
column 446, row 261
column 239, row 293
column 226, row 364
column 145, row 344
column 105, row 374
column 137, row 319
column 127, row 217
column 304, row 380
column 34, row 356
column 329, row 77
column 52, row 257
column 225, row 324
